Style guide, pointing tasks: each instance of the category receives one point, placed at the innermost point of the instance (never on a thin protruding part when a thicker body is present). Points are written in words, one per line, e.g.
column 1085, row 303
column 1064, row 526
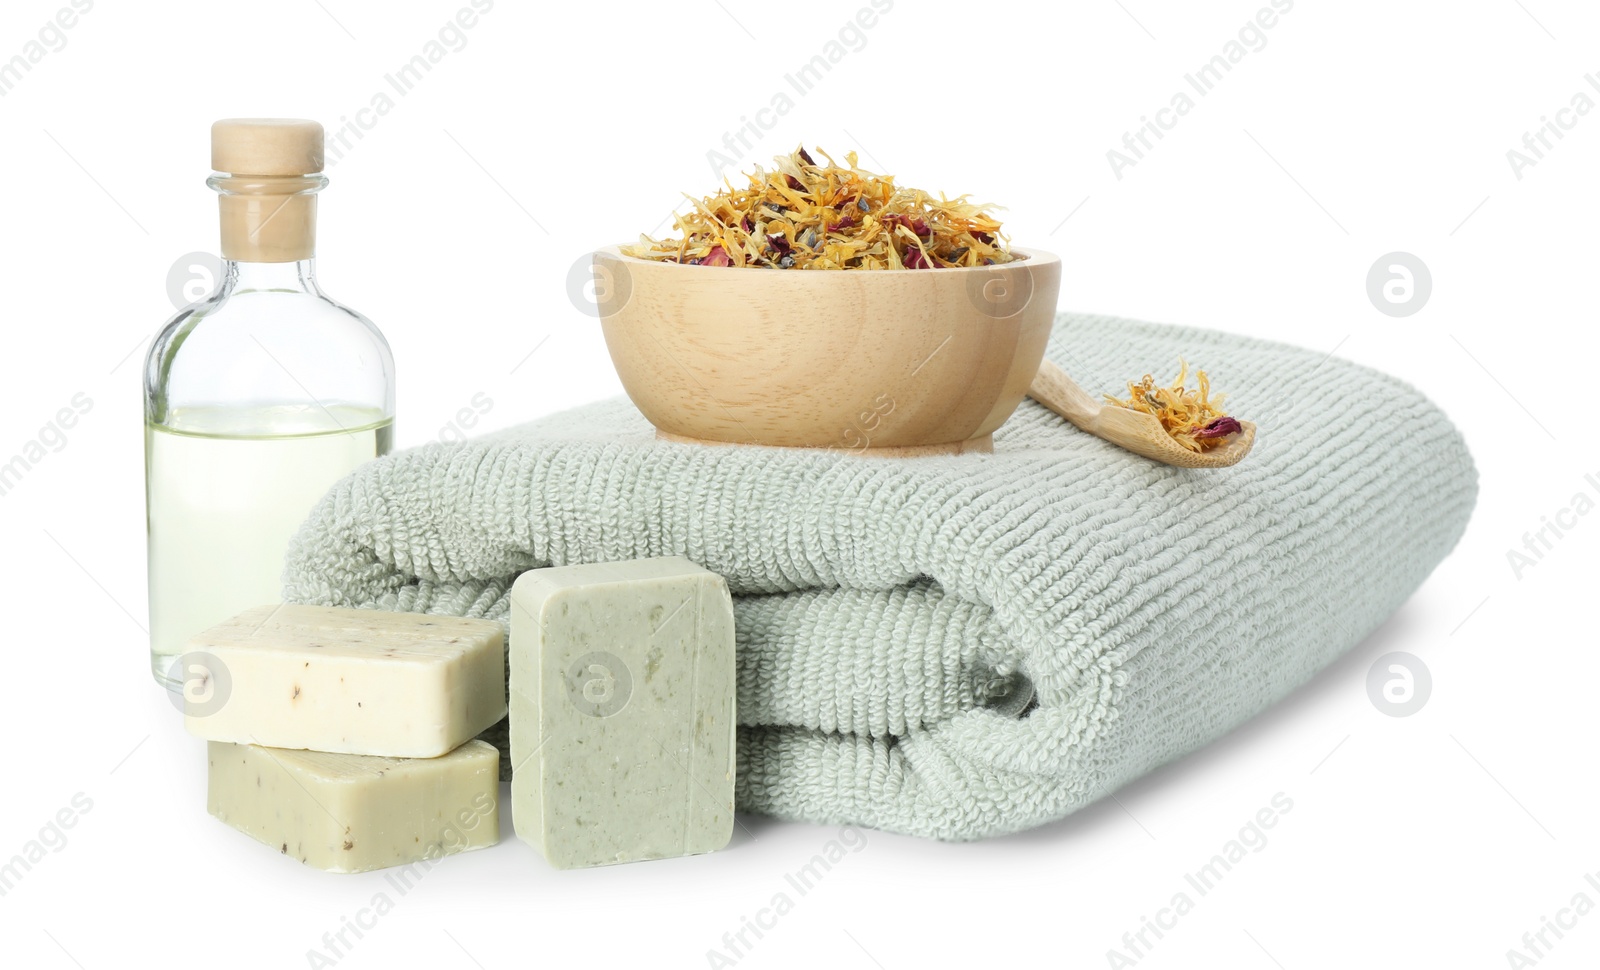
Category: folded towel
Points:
column 893, row 614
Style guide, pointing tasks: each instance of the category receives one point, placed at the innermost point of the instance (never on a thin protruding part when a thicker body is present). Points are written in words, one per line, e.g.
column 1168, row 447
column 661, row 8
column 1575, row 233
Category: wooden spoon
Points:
column 1136, row 431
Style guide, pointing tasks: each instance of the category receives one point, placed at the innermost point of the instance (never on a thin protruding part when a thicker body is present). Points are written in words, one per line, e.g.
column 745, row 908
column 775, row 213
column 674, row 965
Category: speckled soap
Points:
column 401, row 685
column 622, row 711
column 353, row 813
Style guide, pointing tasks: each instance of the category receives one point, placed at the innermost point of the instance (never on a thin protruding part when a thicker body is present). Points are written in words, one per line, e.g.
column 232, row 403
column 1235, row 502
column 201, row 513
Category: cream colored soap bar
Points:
column 352, row 813
column 622, row 711
column 400, row 685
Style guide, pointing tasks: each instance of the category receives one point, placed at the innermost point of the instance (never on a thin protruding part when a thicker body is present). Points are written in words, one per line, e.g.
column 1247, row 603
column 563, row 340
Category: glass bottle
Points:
column 257, row 398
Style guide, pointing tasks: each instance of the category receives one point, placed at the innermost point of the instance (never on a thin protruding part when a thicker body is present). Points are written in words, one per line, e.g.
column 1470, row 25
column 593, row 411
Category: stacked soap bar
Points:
column 622, row 711
column 352, row 813
column 343, row 737
column 351, row 681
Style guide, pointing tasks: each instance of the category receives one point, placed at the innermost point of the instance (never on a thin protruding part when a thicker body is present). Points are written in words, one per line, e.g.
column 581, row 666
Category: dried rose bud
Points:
column 1220, row 428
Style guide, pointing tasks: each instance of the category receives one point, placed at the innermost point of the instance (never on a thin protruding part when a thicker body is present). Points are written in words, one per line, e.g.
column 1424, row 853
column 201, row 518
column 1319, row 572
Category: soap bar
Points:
column 622, row 711
column 353, row 813
column 369, row 682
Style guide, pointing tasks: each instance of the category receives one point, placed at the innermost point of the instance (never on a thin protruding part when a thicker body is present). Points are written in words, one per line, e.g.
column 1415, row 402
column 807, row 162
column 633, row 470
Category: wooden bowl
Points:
column 892, row 361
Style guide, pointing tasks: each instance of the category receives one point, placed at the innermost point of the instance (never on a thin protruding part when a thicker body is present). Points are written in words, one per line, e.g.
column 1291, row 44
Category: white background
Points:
column 1360, row 128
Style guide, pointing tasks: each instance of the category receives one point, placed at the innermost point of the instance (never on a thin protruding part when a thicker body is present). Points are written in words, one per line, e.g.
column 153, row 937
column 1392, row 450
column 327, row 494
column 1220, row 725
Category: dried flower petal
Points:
column 916, row 224
column 1220, row 428
column 807, row 215
column 1194, row 418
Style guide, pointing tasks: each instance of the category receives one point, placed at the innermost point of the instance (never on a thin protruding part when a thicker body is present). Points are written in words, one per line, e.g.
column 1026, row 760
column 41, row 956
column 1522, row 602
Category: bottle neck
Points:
column 268, row 220
column 244, row 276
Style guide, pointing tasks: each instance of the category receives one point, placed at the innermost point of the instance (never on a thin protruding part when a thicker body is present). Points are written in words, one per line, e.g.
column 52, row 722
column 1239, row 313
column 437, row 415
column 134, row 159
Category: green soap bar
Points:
column 622, row 711
column 352, row 812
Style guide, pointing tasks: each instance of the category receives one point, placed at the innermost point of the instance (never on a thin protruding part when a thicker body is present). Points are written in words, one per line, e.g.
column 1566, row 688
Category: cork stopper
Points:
column 268, row 173
column 266, row 146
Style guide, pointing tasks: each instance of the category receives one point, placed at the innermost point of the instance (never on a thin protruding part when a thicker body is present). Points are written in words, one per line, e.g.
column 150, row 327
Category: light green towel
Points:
column 1152, row 608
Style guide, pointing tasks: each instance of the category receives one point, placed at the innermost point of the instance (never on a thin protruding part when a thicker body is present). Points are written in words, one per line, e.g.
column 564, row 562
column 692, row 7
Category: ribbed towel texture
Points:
column 879, row 601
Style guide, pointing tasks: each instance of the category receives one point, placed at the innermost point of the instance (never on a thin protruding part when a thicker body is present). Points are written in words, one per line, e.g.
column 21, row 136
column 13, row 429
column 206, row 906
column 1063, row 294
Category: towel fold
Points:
column 893, row 614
